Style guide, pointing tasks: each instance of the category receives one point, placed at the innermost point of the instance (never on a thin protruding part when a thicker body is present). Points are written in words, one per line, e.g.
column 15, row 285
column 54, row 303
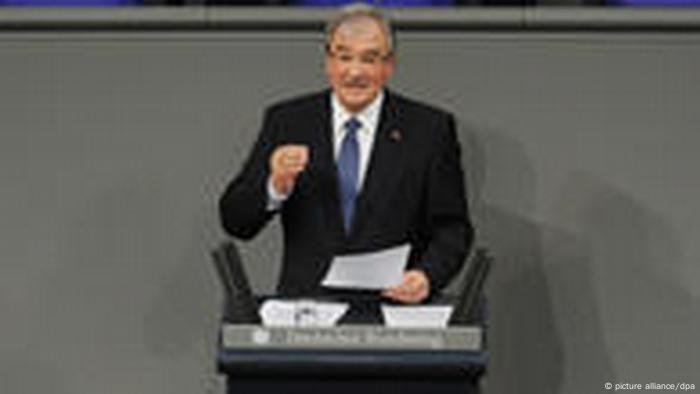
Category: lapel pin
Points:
column 395, row 135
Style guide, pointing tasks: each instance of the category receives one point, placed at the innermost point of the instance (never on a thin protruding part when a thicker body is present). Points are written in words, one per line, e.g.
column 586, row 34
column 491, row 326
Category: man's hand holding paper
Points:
column 414, row 288
column 382, row 270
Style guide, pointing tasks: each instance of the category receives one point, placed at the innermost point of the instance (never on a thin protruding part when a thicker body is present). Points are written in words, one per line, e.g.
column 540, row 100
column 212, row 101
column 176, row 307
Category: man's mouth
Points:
column 356, row 87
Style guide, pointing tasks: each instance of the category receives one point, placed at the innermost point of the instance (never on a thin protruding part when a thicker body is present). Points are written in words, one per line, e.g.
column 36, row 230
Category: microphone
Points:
column 240, row 303
column 467, row 308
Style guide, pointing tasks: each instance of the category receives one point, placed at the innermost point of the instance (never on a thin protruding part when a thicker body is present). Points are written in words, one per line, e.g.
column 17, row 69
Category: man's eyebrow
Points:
column 372, row 51
column 339, row 47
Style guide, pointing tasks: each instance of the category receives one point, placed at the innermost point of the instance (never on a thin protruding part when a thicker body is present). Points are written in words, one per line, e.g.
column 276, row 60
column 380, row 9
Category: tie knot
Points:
column 352, row 125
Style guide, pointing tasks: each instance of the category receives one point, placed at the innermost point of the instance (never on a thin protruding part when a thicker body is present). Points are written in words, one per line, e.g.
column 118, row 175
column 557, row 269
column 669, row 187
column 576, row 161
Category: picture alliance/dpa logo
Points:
column 650, row 386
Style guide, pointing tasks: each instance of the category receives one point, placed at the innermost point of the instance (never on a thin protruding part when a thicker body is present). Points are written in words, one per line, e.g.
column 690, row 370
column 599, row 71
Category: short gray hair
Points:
column 357, row 11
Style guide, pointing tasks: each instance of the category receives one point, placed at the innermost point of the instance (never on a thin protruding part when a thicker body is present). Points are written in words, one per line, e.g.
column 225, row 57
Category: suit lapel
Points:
column 385, row 166
column 326, row 167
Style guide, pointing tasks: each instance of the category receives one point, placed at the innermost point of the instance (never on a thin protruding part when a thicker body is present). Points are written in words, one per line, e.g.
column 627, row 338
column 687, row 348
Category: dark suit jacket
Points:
column 413, row 192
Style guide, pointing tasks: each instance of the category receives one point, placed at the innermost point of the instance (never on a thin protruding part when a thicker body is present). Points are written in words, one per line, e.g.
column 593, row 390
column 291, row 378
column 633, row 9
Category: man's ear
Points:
column 327, row 66
column 390, row 66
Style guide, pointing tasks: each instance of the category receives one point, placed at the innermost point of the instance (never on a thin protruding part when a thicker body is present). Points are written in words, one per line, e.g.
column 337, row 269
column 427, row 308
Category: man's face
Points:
column 358, row 63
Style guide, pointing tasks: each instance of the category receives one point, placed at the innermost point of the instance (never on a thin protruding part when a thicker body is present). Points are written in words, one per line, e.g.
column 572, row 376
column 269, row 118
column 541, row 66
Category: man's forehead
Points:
column 364, row 28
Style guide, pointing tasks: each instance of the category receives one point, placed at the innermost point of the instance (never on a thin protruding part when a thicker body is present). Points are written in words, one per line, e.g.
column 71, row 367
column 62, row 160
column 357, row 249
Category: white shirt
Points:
column 369, row 119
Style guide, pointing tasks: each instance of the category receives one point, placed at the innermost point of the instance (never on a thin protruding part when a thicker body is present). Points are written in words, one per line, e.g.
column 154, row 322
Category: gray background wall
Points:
column 580, row 149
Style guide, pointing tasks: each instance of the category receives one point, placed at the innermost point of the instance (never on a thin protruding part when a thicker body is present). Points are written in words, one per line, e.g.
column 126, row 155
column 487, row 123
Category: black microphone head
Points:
column 467, row 307
column 240, row 305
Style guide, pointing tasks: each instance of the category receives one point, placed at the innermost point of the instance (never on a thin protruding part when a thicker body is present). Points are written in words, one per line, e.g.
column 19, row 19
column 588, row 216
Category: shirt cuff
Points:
column 274, row 199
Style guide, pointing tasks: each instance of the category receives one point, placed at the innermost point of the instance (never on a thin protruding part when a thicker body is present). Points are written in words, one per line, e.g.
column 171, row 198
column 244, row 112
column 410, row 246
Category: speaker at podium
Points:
column 357, row 357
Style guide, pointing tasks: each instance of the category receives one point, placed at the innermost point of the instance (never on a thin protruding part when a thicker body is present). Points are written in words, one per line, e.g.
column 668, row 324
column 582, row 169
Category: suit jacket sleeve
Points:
column 449, row 230
column 243, row 206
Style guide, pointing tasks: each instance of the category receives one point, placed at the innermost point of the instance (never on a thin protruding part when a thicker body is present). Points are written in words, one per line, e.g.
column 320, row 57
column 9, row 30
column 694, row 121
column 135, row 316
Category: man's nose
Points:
column 355, row 69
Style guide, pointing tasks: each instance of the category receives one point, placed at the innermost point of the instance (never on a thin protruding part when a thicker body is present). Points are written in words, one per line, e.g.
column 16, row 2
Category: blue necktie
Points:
column 348, row 170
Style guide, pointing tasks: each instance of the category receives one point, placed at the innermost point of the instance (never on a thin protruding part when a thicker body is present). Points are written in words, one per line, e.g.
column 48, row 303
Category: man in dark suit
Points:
column 356, row 168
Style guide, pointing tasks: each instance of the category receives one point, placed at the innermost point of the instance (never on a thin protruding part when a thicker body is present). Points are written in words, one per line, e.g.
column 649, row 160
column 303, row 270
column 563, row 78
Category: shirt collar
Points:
column 369, row 116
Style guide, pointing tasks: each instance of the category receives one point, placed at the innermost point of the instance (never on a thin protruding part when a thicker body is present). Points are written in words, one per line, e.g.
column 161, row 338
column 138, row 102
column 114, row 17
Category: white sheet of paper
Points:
column 370, row 271
column 301, row 313
column 420, row 316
